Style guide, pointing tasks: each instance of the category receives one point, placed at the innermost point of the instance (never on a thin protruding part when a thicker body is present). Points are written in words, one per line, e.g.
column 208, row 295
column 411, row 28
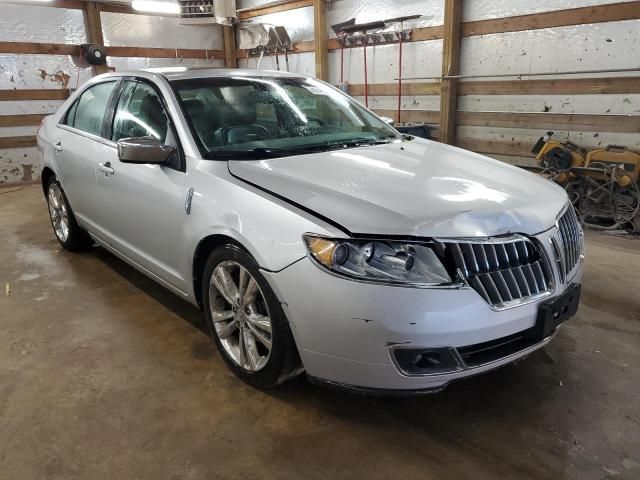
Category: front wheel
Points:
column 246, row 319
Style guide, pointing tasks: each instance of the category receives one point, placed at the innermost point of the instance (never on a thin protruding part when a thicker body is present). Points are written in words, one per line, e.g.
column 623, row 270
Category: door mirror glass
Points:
column 143, row 150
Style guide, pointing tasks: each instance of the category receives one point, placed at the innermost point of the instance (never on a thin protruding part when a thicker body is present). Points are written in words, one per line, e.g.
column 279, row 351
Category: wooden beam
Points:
column 71, row 4
column 21, row 120
column 546, row 121
column 18, row 142
column 427, row 116
column 35, row 94
column 147, row 52
column 391, row 89
column 300, row 47
column 559, row 18
column 273, row 7
column 450, row 66
column 563, row 86
column 230, row 53
column 497, row 147
column 321, row 38
column 93, row 26
column 39, row 48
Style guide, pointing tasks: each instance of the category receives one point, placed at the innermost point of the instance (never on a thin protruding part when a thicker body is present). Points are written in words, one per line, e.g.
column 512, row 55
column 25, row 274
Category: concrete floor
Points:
column 103, row 374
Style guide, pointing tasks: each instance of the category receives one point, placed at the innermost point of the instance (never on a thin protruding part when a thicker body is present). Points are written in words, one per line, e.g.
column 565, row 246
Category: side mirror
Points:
column 387, row 120
column 143, row 150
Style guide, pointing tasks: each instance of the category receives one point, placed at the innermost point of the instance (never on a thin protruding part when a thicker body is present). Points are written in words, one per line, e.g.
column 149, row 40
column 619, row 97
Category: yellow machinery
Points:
column 602, row 183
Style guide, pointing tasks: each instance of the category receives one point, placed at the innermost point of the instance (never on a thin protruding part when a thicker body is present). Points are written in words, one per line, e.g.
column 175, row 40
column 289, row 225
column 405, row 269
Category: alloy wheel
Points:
column 58, row 212
column 240, row 315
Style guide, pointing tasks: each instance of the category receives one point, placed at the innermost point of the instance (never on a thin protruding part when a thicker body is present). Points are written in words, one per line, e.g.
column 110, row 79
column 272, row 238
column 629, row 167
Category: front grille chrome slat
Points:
column 505, row 272
column 567, row 245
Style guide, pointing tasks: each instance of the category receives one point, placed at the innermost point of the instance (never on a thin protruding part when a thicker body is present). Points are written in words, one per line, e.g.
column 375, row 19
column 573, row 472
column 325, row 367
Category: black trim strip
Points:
column 291, row 202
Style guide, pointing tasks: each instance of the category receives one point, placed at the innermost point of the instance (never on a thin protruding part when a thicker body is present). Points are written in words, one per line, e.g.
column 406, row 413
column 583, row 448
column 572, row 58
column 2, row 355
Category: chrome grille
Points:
column 504, row 272
column 567, row 244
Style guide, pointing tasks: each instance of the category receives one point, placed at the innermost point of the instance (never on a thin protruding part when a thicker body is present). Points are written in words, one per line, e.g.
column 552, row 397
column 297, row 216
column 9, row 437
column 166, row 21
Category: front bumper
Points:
column 346, row 331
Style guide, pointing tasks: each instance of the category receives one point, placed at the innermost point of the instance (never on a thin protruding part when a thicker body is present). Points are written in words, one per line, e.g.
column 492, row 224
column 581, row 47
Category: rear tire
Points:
column 65, row 226
column 246, row 319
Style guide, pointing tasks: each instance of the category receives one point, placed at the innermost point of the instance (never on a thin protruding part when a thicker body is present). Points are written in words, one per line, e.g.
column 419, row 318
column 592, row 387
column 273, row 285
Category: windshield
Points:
column 255, row 117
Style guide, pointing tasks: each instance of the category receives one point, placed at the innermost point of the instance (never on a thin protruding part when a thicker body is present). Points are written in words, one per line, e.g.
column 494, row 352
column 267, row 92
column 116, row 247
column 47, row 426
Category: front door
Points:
column 142, row 205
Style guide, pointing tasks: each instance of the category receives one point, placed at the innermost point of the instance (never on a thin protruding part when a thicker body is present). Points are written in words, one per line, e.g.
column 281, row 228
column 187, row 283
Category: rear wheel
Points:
column 246, row 319
column 67, row 230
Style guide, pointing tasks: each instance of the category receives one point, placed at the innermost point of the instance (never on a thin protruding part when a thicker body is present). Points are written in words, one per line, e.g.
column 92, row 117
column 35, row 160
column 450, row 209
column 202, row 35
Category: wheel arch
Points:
column 204, row 248
column 47, row 173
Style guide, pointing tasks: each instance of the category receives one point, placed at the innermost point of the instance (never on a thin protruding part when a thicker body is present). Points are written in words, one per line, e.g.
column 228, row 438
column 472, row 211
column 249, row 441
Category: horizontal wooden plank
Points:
column 564, row 86
column 104, row 7
column 21, row 120
column 147, row 52
column 39, row 48
column 273, row 7
column 558, row 18
column 71, row 4
column 300, row 47
column 546, row 121
column 391, row 89
column 35, row 94
column 497, row 147
column 18, row 142
column 426, row 116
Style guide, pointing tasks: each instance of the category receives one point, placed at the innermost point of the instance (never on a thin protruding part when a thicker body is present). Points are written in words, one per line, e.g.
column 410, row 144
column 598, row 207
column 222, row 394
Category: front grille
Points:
column 504, row 272
column 567, row 244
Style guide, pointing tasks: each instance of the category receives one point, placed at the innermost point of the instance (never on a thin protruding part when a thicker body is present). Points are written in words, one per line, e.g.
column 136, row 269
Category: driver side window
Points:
column 140, row 113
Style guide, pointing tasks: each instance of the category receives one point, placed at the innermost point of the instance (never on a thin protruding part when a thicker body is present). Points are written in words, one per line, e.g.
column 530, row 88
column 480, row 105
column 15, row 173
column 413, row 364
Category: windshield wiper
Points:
column 251, row 154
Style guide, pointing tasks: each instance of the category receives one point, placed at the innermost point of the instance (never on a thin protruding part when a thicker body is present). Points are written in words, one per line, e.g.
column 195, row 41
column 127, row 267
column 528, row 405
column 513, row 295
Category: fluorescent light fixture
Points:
column 156, row 6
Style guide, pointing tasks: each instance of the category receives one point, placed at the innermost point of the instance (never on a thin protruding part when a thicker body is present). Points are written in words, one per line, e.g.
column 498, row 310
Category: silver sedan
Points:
column 313, row 235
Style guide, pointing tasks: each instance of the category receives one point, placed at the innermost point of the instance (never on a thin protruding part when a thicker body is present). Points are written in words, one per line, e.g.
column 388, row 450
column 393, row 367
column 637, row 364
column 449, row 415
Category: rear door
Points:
column 142, row 209
column 79, row 144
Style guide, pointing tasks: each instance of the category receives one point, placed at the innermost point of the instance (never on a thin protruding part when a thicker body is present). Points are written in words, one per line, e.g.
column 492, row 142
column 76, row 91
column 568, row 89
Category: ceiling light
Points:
column 156, row 6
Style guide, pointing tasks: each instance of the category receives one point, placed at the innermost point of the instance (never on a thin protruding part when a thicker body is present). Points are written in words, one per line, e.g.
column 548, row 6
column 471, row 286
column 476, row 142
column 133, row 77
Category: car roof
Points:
column 184, row 72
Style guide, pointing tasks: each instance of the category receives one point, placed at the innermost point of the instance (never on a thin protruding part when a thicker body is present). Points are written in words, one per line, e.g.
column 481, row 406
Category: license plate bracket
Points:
column 551, row 314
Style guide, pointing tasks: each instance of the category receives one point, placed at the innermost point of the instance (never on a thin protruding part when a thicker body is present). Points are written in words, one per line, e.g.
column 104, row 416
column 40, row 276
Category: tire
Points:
column 65, row 226
column 256, row 364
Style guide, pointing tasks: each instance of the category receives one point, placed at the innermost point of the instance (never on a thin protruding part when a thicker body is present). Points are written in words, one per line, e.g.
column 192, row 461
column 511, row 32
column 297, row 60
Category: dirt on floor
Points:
column 106, row 375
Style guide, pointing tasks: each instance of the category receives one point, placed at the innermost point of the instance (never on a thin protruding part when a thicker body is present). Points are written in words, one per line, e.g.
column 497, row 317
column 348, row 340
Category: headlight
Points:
column 384, row 261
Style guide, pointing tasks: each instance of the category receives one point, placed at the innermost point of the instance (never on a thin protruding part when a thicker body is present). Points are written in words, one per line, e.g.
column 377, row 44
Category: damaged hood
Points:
column 413, row 188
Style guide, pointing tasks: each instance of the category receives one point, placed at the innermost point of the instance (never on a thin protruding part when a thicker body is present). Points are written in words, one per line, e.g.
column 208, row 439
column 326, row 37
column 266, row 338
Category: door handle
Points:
column 57, row 146
column 106, row 168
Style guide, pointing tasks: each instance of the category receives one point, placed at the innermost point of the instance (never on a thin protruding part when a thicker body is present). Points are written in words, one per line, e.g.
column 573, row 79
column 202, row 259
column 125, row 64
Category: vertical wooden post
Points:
column 230, row 59
column 321, row 39
column 93, row 24
column 450, row 66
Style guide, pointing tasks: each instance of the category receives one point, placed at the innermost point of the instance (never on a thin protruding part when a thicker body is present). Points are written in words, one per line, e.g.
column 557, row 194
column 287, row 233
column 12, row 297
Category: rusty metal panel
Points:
column 298, row 22
column 132, row 30
column 581, row 47
column 19, row 165
column 32, row 23
column 432, row 11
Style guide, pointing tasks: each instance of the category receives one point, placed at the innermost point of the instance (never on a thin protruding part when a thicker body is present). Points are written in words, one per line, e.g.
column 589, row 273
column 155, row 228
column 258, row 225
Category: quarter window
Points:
column 87, row 113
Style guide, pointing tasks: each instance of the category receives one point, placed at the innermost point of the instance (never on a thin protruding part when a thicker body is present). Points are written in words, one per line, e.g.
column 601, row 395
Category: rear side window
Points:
column 87, row 113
